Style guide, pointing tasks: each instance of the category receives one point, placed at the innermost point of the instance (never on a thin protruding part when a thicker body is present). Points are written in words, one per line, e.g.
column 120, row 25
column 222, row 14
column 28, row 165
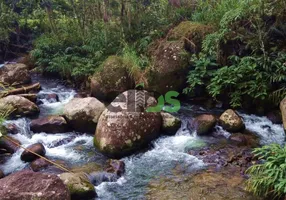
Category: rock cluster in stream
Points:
column 117, row 133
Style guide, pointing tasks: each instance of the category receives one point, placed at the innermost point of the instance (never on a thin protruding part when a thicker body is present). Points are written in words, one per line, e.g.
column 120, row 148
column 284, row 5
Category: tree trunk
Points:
column 23, row 90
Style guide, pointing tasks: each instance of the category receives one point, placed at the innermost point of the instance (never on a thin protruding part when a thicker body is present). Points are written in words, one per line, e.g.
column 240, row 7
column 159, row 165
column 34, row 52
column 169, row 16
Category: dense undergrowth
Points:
column 246, row 56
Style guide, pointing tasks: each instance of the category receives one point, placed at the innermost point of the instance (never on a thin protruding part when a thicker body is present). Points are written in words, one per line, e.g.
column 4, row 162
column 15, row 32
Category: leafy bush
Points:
column 71, row 56
column 244, row 57
column 269, row 178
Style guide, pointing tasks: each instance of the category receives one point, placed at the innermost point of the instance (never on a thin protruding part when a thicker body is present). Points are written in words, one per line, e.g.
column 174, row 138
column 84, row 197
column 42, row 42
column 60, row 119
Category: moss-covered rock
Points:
column 170, row 123
column 121, row 132
column 111, row 79
column 170, row 57
column 231, row 121
column 18, row 106
column 78, row 185
column 192, row 33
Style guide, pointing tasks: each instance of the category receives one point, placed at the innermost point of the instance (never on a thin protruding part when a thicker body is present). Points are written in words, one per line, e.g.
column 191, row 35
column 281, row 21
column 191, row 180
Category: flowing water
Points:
column 164, row 155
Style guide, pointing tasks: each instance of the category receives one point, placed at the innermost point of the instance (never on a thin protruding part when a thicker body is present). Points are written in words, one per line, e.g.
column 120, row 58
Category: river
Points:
column 163, row 155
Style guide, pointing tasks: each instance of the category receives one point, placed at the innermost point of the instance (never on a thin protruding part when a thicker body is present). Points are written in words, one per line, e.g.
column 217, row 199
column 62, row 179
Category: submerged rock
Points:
column 116, row 167
column 29, row 185
column 123, row 132
column 170, row 123
column 11, row 128
column 79, row 185
column 88, row 168
column 83, row 114
column 8, row 145
column 36, row 148
column 97, row 178
column 39, row 164
column 231, row 121
column 62, row 141
column 15, row 74
column 203, row 124
column 206, row 185
column 112, row 79
column 50, row 124
column 245, row 139
column 18, row 106
column 51, row 98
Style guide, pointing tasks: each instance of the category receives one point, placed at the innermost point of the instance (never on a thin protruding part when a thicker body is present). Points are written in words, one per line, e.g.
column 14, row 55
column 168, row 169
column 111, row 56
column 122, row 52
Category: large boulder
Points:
column 9, row 144
column 82, row 114
column 283, row 112
column 112, row 79
column 170, row 123
column 170, row 57
column 50, row 124
column 29, row 185
column 18, row 106
column 38, row 148
column 78, row 185
column 169, row 69
column 125, row 126
column 203, row 124
column 15, row 74
column 231, row 121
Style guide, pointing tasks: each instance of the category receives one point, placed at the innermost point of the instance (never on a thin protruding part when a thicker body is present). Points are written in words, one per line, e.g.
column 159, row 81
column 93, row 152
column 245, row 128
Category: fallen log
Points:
column 22, row 90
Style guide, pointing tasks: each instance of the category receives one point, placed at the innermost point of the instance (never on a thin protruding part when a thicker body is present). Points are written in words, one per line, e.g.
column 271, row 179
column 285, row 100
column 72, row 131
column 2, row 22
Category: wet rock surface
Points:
column 8, row 145
column 36, row 148
column 39, row 164
column 203, row 124
column 50, row 124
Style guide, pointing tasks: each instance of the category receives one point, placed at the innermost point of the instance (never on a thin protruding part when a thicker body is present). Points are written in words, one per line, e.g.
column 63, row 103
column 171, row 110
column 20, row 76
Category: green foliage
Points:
column 269, row 178
column 7, row 16
column 71, row 56
column 82, row 34
column 244, row 57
